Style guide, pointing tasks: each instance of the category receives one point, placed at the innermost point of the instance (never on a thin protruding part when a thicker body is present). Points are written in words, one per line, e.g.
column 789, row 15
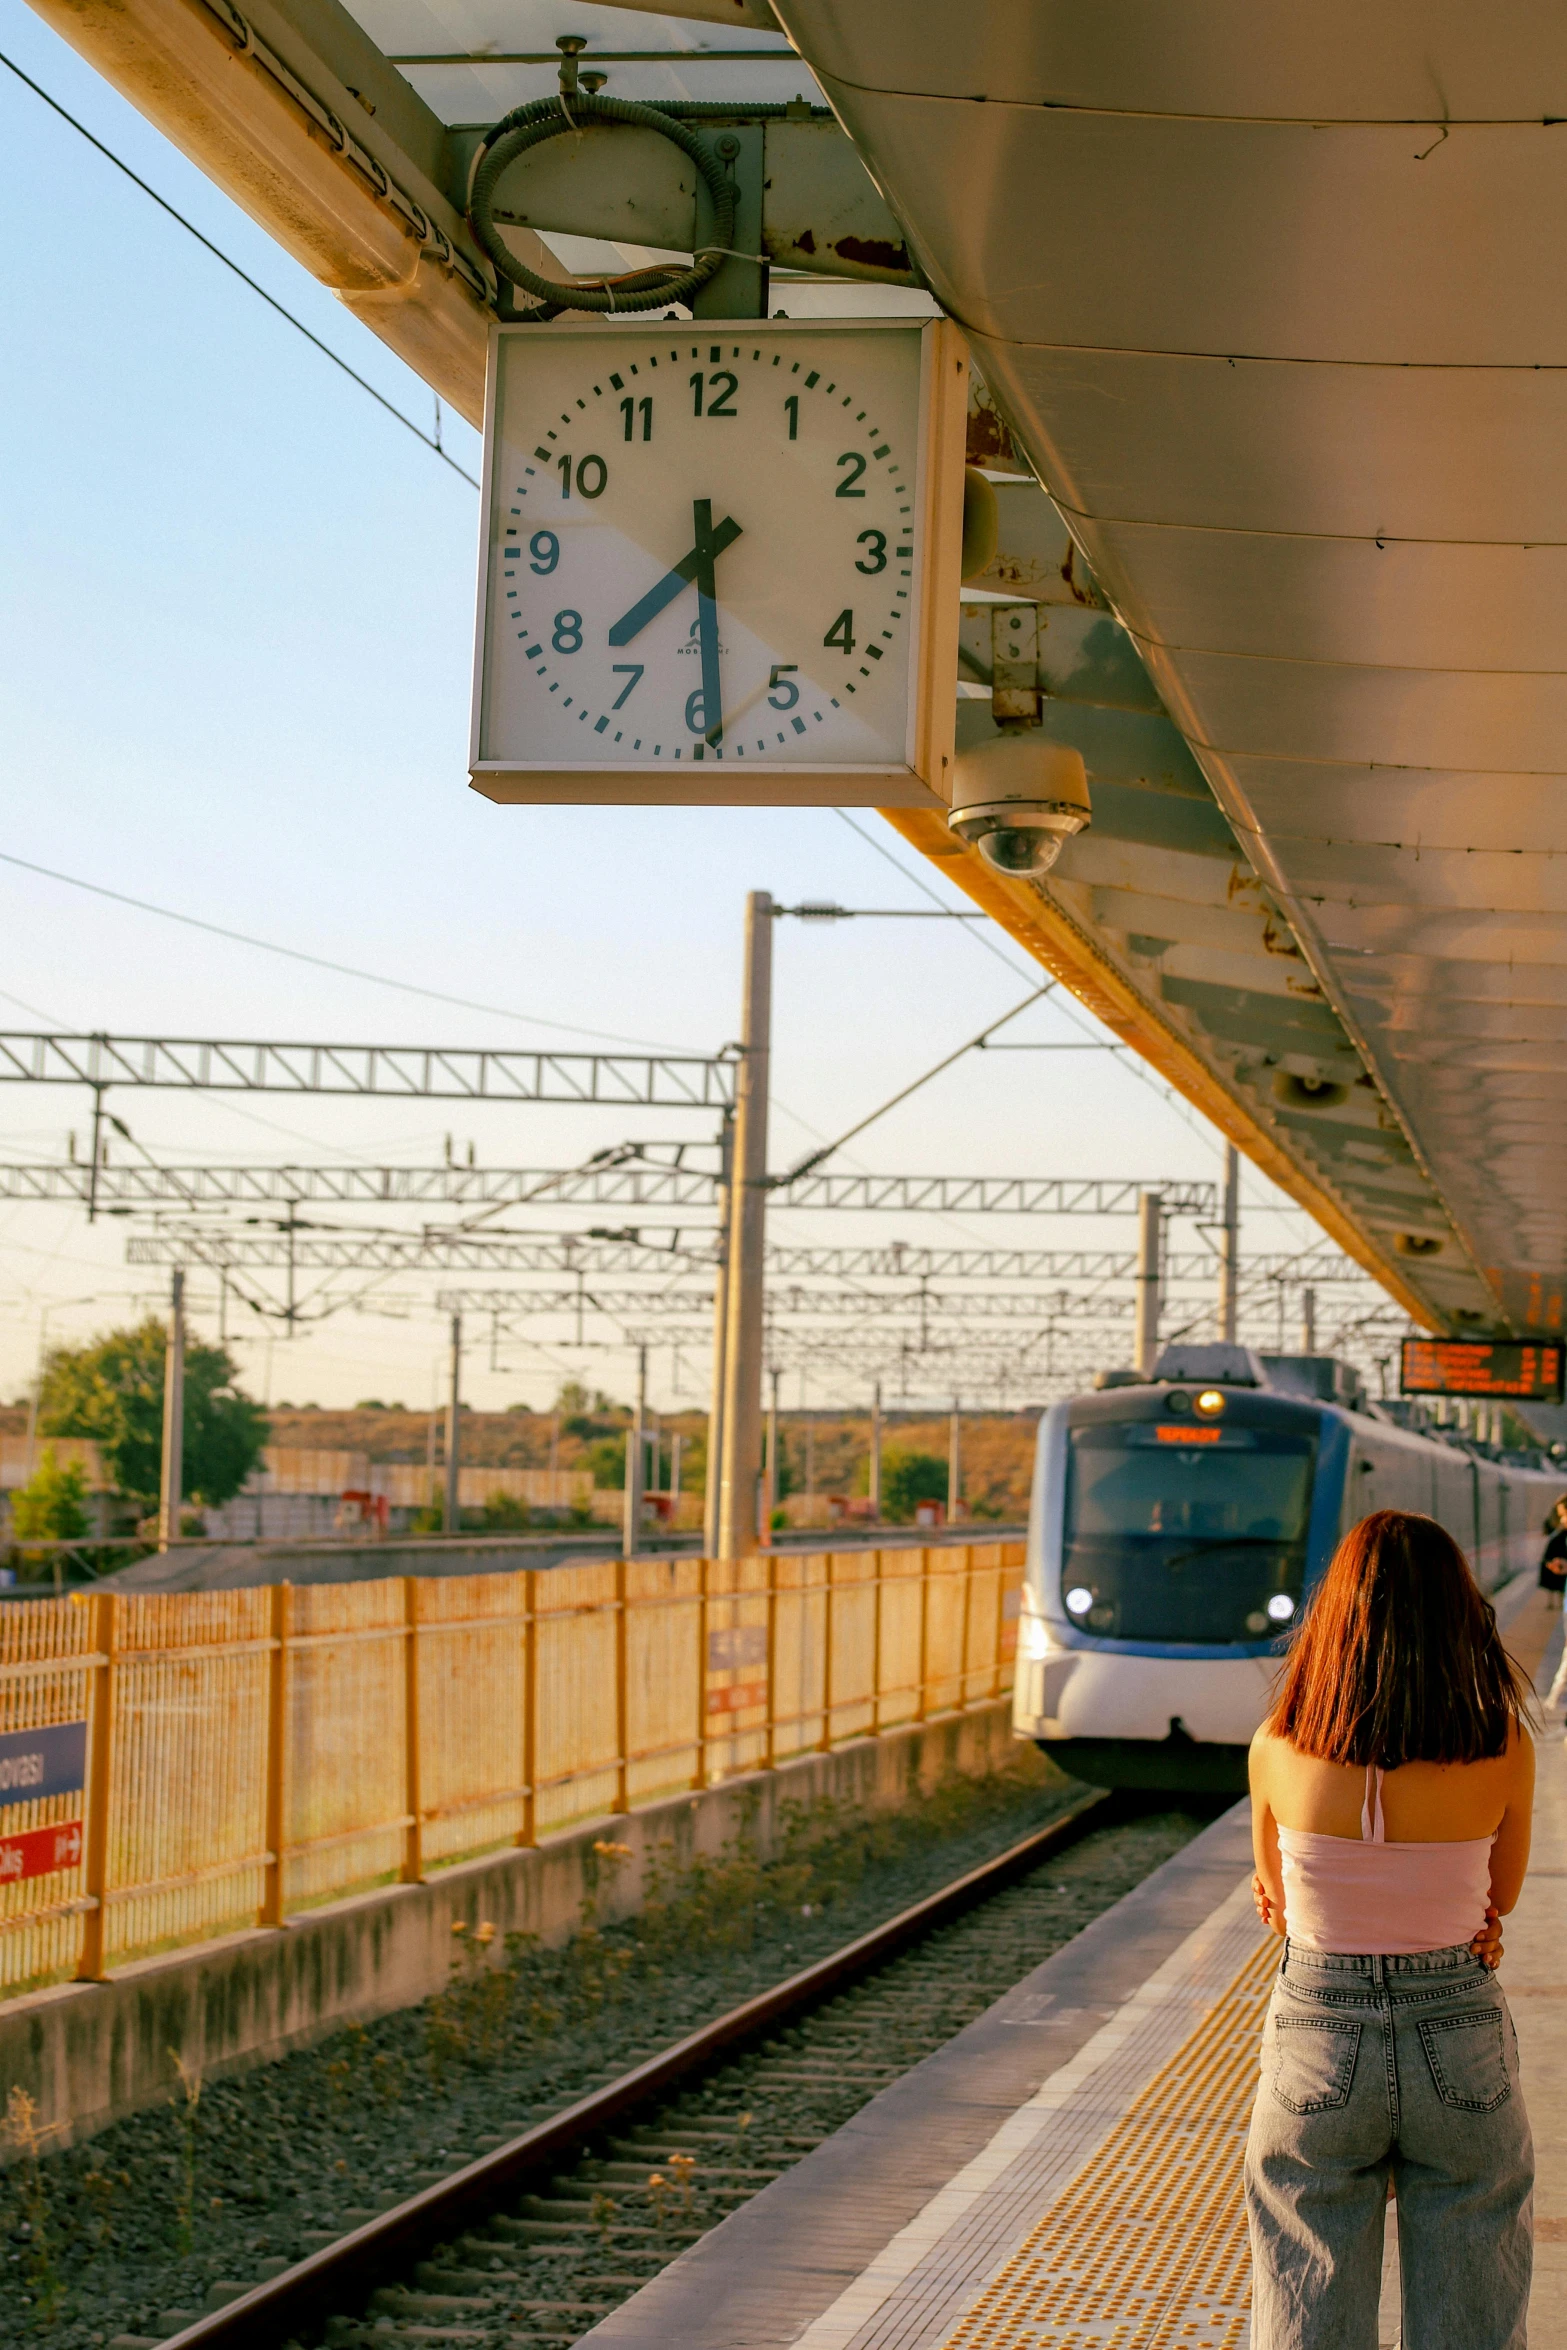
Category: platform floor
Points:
column 1065, row 2174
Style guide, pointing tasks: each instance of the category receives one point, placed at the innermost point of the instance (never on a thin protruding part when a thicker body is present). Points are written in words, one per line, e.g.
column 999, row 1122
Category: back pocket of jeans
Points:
column 1313, row 2061
column 1467, row 2059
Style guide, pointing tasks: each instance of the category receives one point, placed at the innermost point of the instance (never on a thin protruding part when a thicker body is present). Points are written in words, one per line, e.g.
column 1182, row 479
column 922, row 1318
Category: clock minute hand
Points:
column 648, row 607
column 707, row 622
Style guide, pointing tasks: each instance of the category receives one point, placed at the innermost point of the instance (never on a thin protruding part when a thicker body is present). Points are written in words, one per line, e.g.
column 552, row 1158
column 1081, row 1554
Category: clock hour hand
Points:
column 648, row 607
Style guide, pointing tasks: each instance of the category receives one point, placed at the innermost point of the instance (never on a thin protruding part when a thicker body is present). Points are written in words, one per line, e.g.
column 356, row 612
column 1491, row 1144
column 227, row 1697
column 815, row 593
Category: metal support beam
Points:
column 1308, row 1321
column 1230, row 1244
column 874, row 1486
column 1150, row 1220
column 712, row 1499
column 955, row 1464
column 171, row 1484
column 640, row 1181
column 773, row 1485
column 398, row 1072
column 451, row 1516
column 748, row 1240
column 633, row 1486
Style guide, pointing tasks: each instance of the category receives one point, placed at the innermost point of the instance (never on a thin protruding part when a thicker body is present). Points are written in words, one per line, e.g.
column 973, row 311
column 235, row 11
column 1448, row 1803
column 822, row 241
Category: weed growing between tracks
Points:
column 267, row 2165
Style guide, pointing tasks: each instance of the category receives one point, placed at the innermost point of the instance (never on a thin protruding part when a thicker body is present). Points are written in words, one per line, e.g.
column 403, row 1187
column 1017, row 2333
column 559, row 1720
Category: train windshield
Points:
column 1199, row 1538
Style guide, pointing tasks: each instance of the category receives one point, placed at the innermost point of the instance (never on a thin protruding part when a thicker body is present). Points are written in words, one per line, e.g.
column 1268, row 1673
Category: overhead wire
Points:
column 271, row 946
column 430, row 441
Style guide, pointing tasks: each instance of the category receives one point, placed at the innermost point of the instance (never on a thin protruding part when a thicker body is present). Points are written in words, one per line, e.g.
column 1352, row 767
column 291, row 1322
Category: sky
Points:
column 237, row 600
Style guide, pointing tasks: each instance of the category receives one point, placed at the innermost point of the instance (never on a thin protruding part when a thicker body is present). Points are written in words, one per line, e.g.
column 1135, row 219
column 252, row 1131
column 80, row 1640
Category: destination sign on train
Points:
column 1528, row 1368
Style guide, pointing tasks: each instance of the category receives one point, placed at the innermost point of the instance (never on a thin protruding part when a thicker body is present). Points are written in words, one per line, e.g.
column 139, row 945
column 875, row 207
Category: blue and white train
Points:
column 1177, row 1525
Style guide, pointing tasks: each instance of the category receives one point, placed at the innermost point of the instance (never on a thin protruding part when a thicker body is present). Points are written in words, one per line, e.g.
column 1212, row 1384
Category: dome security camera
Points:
column 1018, row 799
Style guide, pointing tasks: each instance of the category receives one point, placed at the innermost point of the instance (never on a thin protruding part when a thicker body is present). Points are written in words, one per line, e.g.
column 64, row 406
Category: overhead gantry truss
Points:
column 394, row 1072
column 630, row 1183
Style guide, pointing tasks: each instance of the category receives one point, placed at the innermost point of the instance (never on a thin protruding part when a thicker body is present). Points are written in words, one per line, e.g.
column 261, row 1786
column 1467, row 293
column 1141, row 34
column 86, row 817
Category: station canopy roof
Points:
column 1268, row 304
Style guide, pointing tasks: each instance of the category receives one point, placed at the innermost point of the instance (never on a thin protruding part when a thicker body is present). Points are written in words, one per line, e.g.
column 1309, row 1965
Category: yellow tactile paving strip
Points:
column 1146, row 2249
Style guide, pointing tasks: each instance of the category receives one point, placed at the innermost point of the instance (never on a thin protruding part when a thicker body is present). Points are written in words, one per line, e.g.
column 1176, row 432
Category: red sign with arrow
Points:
column 40, row 1852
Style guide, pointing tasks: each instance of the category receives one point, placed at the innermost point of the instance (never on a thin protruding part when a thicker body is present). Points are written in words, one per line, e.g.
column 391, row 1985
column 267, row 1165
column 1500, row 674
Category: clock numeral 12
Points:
column 628, row 409
column 719, row 390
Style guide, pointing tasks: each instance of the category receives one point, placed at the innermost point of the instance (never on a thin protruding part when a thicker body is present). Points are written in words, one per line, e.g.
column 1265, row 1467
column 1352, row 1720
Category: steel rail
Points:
column 315, row 2290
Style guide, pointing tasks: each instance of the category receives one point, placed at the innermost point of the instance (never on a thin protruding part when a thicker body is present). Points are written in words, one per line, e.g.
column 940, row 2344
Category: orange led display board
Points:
column 1188, row 1435
column 1528, row 1369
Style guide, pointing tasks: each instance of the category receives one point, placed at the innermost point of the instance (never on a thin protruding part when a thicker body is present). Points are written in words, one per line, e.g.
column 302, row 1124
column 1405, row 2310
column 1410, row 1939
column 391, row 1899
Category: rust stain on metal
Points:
column 869, row 252
column 990, row 439
column 1081, row 591
column 1278, row 941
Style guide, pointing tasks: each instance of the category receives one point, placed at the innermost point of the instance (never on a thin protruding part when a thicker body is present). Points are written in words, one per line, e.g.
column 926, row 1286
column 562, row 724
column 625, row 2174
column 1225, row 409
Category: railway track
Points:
column 541, row 2236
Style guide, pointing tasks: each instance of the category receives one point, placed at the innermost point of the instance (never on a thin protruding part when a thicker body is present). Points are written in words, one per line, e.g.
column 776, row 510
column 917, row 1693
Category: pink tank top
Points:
column 1374, row 1898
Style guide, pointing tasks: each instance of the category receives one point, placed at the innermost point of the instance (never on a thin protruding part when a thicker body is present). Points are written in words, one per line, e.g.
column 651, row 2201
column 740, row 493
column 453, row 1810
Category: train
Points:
column 1177, row 1524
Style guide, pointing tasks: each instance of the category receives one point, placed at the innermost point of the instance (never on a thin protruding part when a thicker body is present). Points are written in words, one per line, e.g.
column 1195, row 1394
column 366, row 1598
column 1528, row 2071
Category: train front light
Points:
column 1210, row 1403
column 1079, row 1600
column 1281, row 1607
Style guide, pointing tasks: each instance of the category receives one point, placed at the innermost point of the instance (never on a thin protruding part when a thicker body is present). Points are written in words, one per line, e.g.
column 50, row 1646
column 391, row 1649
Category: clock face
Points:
column 703, row 549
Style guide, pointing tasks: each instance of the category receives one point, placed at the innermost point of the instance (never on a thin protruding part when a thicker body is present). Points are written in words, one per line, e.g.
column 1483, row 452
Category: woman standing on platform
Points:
column 1391, row 1791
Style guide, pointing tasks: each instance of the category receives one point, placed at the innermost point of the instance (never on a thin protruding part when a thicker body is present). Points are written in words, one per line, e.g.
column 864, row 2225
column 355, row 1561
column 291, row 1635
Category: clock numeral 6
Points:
column 841, row 633
column 568, row 632
column 787, row 693
column 696, row 712
column 591, row 476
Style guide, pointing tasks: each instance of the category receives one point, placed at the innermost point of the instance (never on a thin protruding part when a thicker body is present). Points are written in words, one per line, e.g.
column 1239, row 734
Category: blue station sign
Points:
column 35, row 1763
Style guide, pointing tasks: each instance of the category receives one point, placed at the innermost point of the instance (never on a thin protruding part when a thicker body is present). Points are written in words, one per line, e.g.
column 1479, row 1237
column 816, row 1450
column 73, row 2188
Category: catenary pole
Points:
column 955, row 1464
column 748, row 1229
column 172, row 1481
column 774, row 1485
column 451, row 1516
column 1308, row 1321
column 1150, row 1216
column 874, row 1485
column 1230, row 1245
column 712, row 1500
column 631, row 1526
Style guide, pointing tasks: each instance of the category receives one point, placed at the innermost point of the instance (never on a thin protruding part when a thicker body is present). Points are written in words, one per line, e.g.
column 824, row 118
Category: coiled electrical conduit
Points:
column 644, row 289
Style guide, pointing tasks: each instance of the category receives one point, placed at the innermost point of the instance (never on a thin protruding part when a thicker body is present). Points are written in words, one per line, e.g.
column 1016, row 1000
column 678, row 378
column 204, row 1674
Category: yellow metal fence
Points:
column 253, row 1753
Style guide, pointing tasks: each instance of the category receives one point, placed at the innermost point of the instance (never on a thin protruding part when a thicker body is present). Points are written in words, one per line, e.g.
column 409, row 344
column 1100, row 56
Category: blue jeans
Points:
column 1376, row 2069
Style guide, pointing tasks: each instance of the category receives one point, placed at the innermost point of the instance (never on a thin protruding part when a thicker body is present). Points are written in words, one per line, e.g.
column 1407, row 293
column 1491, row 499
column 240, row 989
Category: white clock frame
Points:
column 922, row 779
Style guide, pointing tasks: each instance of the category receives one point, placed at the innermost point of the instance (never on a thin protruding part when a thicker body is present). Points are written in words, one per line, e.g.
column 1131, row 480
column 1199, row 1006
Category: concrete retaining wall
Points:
column 92, row 2052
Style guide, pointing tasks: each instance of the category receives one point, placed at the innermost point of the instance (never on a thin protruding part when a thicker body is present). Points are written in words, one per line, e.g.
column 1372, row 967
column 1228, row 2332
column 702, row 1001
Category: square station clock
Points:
column 721, row 562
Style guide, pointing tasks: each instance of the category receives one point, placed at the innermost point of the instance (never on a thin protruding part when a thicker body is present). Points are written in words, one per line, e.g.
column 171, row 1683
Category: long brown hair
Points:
column 1397, row 1658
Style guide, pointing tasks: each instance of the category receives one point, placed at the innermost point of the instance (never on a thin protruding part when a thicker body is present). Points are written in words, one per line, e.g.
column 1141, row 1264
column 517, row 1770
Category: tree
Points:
column 112, row 1391
column 607, row 1460
column 908, row 1478
column 52, row 1505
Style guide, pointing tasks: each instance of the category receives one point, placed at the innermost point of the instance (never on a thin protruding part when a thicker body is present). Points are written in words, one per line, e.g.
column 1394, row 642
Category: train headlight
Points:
column 1035, row 1638
column 1281, row 1607
column 1079, row 1600
column 1210, row 1403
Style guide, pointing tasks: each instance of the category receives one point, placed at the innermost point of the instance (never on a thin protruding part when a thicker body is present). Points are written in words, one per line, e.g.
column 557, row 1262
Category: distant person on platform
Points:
column 1553, row 1562
column 1391, row 1793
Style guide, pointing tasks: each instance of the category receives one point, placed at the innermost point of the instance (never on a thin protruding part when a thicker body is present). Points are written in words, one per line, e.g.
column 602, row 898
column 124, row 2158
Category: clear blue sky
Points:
column 238, row 609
